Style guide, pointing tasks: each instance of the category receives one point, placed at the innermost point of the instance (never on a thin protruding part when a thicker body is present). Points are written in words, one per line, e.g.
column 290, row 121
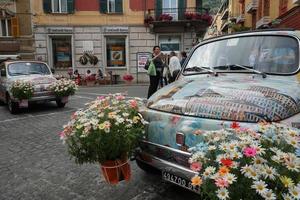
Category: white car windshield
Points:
column 266, row 54
column 27, row 68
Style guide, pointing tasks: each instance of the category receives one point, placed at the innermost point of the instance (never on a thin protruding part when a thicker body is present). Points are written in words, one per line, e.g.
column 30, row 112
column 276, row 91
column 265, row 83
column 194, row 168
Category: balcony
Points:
column 252, row 6
column 263, row 21
column 177, row 20
column 240, row 18
column 224, row 15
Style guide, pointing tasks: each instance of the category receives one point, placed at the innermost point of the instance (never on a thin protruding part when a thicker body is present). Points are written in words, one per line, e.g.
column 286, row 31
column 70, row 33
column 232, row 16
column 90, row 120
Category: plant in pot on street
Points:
column 106, row 132
column 239, row 163
column 128, row 78
column 22, row 90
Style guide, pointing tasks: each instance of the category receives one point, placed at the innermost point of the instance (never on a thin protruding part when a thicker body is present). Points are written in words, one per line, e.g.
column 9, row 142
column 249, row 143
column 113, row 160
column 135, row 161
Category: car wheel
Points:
column 60, row 104
column 13, row 107
column 147, row 168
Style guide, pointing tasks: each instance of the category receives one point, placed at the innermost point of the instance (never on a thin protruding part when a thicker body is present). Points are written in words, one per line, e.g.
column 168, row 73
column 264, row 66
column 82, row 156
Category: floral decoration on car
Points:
column 63, row 87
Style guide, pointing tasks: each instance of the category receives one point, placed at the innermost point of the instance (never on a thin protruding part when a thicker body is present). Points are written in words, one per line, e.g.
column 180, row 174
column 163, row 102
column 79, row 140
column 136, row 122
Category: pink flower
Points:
column 196, row 166
column 62, row 135
column 250, row 152
column 133, row 103
column 101, row 97
column 221, row 183
column 120, row 97
column 175, row 119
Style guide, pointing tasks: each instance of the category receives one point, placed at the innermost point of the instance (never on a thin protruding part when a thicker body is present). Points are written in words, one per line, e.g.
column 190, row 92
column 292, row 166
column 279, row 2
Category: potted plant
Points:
column 239, row 163
column 63, row 88
column 188, row 15
column 106, row 132
column 148, row 20
column 165, row 17
column 90, row 80
column 22, row 91
column 128, row 78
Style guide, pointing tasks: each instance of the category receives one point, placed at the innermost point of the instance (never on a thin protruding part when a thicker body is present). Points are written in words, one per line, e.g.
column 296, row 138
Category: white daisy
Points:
column 269, row 195
column 287, row 197
column 260, row 187
column 295, row 192
column 269, row 172
column 222, row 193
column 230, row 178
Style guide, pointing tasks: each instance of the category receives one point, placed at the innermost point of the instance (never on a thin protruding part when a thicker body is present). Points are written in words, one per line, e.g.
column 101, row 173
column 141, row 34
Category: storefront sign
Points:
column 120, row 29
column 60, row 30
column 142, row 58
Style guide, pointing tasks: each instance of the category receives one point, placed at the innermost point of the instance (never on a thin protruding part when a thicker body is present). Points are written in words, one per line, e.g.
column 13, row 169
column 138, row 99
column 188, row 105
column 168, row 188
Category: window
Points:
column 171, row 7
column 59, row 6
column 5, row 28
column 62, row 52
column 111, row 6
column 169, row 43
column 116, row 51
column 26, row 68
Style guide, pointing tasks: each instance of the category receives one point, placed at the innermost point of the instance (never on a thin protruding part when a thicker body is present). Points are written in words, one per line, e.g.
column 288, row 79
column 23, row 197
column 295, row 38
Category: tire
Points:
column 147, row 168
column 13, row 107
column 60, row 104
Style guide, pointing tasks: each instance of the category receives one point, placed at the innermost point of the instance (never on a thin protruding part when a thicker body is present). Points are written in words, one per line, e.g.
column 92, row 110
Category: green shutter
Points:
column 47, row 6
column 181, row 9
column 103, row 6
column 119, row 6
column 70, row 6
column 158, row 8
column 199, row 5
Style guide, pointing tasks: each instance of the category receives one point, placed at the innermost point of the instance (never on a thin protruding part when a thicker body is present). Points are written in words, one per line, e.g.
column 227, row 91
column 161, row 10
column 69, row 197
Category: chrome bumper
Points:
column 163, row 164
column 40, row 98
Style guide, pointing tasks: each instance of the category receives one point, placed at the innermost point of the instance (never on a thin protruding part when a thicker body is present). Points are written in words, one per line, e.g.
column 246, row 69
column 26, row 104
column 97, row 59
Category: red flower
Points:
column 226, row 162
column 235, row 125
column 128, row 77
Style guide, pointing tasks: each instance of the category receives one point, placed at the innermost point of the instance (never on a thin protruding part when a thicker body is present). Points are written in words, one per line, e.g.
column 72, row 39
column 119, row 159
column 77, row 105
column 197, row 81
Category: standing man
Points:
column 158, row 61
column 174, row 66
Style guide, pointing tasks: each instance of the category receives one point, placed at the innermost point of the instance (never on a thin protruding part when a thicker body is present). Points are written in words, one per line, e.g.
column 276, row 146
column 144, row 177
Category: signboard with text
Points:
column 142, row 58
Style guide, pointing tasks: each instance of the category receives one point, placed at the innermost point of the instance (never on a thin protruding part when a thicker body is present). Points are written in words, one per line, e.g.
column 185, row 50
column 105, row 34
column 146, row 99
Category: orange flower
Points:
column 226, row 162
column 223, row 170
column 196, row 181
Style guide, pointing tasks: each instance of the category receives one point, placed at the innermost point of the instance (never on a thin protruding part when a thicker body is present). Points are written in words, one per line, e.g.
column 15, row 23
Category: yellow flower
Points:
column 287, row 182
column 136, row 119
column 101, row 126
column 79, row 126
column 196, row 180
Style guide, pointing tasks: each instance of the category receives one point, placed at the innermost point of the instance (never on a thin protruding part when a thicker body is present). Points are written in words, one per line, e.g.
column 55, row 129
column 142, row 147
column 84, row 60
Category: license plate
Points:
column 185, row 183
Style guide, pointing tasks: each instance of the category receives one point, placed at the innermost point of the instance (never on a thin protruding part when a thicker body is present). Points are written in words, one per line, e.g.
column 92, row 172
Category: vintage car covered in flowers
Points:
column 232, row 81
column 36, row 74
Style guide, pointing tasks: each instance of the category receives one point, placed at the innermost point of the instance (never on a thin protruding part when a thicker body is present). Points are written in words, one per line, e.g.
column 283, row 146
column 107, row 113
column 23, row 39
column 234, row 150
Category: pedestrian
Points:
column 174, row 66
column 166, row 71
column 183, row 57
column 77, row 77
column 158, row 61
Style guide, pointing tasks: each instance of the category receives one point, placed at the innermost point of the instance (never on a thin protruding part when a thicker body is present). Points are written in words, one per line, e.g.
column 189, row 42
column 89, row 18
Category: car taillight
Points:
column 180, row 139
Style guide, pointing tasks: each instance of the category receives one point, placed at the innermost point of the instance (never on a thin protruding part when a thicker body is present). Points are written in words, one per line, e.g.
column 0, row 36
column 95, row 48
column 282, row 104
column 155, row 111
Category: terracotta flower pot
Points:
column 115, row 171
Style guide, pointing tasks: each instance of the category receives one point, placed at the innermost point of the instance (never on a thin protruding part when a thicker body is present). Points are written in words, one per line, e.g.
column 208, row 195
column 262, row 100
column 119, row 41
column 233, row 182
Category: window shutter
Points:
column 119, row 6
column 158, row 8
column 70, row 4
column 47, row 6
column 103, row 6
column 199, row 5
column 15, row 30
column 181, row 9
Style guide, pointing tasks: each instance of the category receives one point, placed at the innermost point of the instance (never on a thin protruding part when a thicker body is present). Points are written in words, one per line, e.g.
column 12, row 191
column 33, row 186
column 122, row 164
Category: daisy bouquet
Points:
column 63, row 87
column 240, row 163
column 22, row 89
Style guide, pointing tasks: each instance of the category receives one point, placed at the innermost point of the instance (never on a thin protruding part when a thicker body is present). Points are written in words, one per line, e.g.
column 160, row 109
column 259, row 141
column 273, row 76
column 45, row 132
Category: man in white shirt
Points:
column 174, row 66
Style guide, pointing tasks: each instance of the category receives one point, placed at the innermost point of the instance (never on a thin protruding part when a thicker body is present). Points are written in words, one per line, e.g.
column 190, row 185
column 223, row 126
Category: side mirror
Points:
column 52, row 70
column 3, row 72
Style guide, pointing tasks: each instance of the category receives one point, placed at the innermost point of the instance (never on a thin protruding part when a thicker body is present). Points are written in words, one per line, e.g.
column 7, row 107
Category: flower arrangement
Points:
column 106, row 132
column 188, row 15
column 165, row 17
column 128, row 77
column 148, row 20
column 239, row 163
column 63, row 87
column 22, row 89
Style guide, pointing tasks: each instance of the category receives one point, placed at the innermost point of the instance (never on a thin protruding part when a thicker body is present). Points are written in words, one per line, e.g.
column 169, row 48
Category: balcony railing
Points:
column 240, row 18
column 224, row 15
column 177, row 14
column 253, row 5
column 263, row 21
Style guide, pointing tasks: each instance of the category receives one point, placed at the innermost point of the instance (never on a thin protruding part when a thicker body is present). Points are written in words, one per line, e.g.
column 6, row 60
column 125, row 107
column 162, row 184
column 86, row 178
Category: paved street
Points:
column 34, row 163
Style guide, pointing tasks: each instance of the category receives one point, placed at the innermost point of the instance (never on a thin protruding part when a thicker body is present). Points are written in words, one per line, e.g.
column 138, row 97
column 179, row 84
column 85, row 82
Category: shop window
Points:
column 5, row 28
column 111, row 6
column 58, row 6
column 62, row 52
column 116, row 51
column 169, row 43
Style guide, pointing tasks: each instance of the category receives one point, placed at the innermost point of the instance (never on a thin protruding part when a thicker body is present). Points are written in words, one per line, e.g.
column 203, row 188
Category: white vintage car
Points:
column 38, row 73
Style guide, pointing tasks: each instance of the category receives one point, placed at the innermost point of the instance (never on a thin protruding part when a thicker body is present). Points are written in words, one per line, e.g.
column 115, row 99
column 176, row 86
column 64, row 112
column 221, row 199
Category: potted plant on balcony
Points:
column 188, row 15
column 106, row 132
column 148, row 20
column 128, row 78
column 165, row 17
column 22, row 91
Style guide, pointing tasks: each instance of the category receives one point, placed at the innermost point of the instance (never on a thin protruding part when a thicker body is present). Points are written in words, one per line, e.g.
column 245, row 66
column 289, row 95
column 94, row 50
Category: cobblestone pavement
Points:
column 34, row 163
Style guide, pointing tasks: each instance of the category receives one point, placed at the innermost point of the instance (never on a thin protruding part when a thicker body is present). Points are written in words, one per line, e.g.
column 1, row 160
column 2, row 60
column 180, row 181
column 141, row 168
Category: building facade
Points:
column 239, row 15
column 113, row 35
column 16, row 37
